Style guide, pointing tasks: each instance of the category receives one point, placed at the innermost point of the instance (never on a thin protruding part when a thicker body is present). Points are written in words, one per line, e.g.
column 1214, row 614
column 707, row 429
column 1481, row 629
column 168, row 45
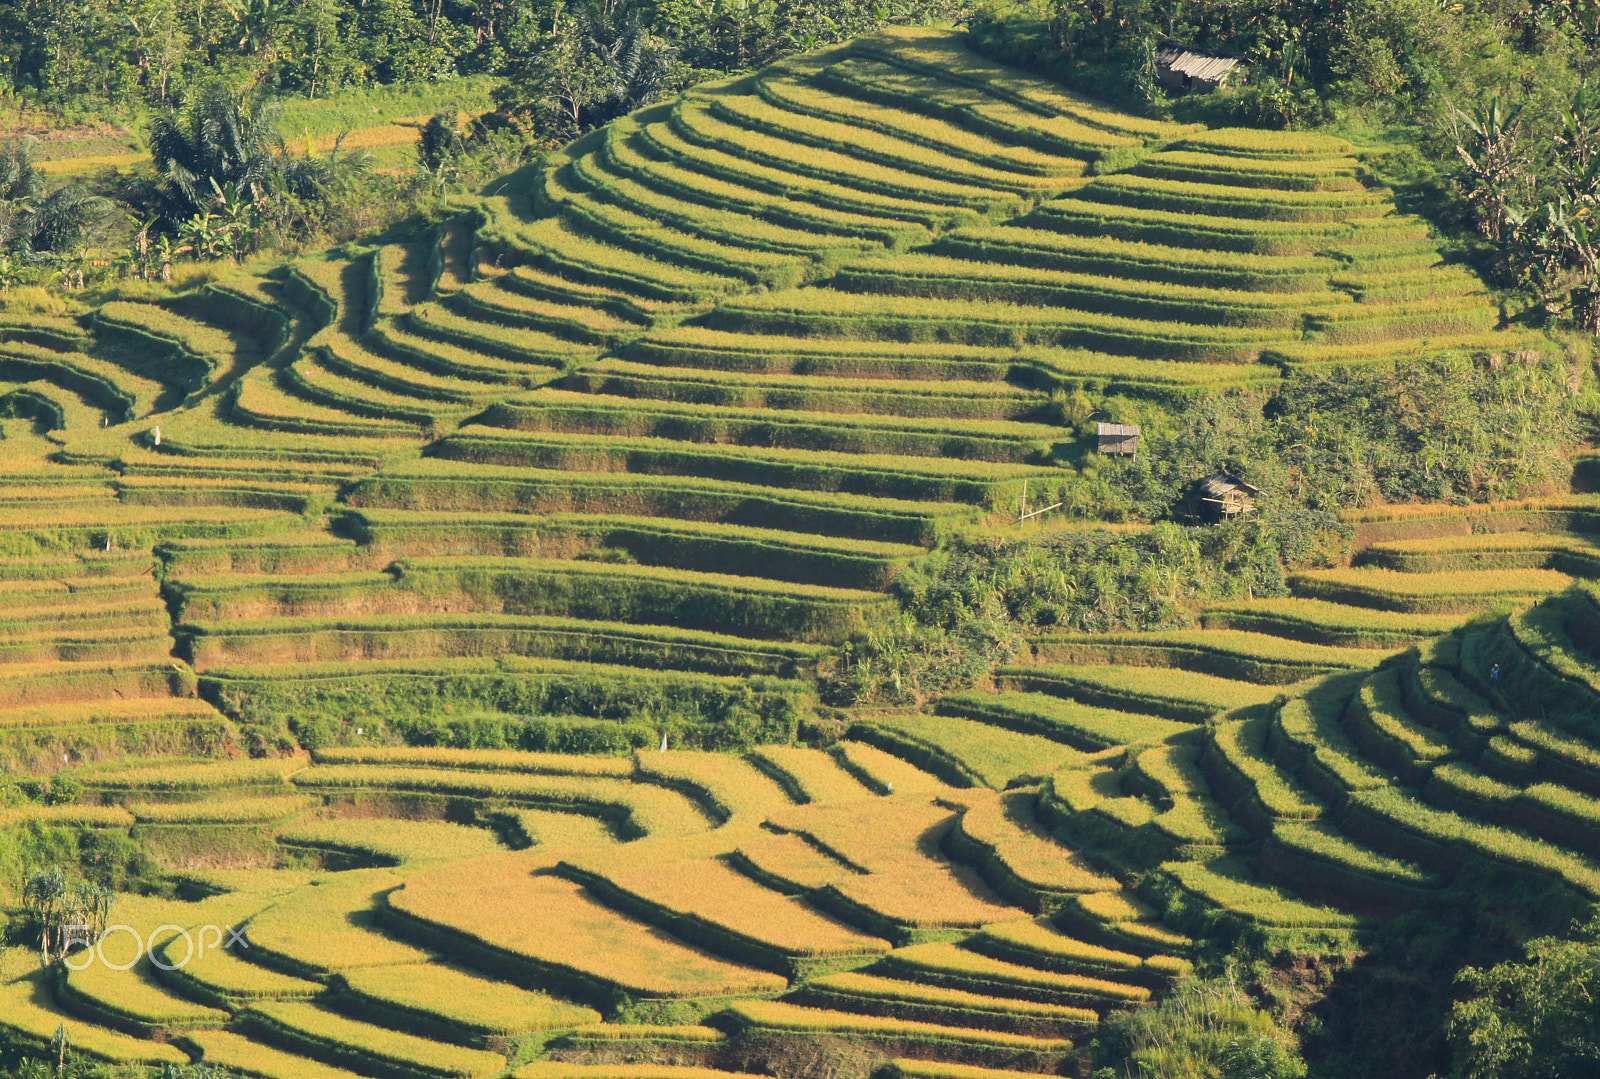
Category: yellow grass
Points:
column 555, row 830
column 83, row 713
column 938, row 1069
column 328, row 925
column 135, row 993
column 477, row 1003
column 814, row 774
column 222, row 810
column 854, row 983
column 1465, row 583
column 555, row 1069
column 734, row 788
column 1005, row 824
column 89, row 816
column 377, row 1045
column 653, row 810
column 947, row 959
column 886, row 772
column 29, row 1011
column 487, row 760
column 713, row 892
column 774, row 1014
column 395, row 133
column 489, row 898
column 1040, row 937
column 790, row 859
column 267, row 881
column 397, row 841
column 878, row 836
column 625, row 1032
column 236, row 1053
column 936, row 897
column 222, row 971
column 1413, row 510
column 71, row 166
column 213, row 775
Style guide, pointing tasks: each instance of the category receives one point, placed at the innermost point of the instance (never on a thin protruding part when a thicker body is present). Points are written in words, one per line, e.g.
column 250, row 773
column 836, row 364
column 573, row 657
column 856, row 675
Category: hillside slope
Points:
column 687, row 398
column 617, row 458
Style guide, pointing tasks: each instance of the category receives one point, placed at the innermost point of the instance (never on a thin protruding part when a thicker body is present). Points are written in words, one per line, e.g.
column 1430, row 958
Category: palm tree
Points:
column 64, row 219
column 217, row 138
column 20, row 183
column 20, row 177
column 43, row 894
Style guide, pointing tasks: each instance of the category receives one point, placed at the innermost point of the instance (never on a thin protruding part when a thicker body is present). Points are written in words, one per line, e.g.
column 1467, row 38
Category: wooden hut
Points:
column 1119, row 439
column 1223, row 496
column 1197, row 70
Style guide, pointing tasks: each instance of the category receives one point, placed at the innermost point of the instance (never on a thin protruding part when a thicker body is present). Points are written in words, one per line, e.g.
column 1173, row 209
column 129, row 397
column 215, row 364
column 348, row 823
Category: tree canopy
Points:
column 1536, row 1018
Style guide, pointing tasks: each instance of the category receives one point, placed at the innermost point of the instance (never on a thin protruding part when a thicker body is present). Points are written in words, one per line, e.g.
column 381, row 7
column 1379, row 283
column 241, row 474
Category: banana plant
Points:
column 1495, row 162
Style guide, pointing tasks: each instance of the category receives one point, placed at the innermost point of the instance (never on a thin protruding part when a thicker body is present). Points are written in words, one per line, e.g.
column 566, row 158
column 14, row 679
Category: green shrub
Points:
column 694, row 709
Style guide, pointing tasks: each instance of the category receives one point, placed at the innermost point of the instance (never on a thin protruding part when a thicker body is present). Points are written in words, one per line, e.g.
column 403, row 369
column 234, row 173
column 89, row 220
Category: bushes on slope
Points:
column 971, row 604
column 1451, row 428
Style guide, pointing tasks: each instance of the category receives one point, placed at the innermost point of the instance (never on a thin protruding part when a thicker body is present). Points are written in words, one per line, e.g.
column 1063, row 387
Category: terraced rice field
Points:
column 408, row 950
column 650, row 430
column 618, row 457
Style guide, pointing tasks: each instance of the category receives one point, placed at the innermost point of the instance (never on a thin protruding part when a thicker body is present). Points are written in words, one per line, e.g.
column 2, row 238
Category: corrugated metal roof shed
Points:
column 1179, row 66
column 1221, row 483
